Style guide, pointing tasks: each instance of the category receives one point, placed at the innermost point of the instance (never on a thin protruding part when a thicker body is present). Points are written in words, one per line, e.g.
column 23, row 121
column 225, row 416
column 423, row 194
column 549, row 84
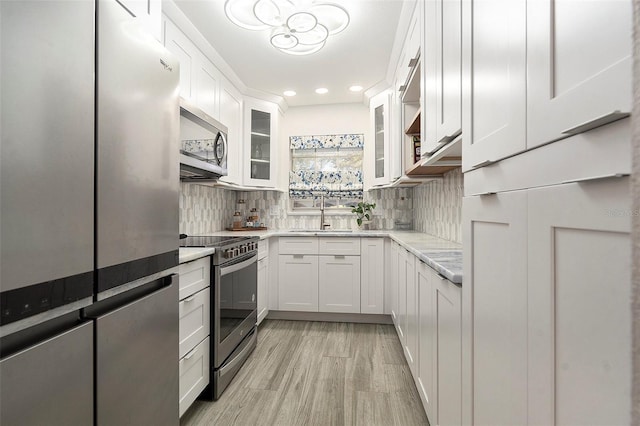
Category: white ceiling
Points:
column 358, row 55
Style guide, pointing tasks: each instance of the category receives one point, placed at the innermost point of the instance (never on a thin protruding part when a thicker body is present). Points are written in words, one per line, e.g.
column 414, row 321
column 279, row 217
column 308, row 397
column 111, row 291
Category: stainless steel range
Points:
column 234, row 310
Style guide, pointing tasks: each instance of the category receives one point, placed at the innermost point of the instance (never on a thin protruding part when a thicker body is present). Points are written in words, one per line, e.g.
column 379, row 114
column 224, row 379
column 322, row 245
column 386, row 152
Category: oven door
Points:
column 235, row 305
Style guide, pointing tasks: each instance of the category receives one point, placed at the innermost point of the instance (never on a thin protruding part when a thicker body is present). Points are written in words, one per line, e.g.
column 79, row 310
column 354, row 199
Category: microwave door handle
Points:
column 219, row 140
column 238, row 266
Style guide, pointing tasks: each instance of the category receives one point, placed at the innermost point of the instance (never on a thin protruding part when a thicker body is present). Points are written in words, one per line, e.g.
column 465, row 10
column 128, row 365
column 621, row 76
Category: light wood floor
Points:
column 318, row 373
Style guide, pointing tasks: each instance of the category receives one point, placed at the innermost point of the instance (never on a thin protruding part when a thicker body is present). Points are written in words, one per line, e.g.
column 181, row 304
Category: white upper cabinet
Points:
column 494, row 80
column 411, row 47
column 231, row 116
column 207, row 87
column 200, row 80
column 378, row 154
column 579, row 66
column 449, row 73
column 148, row 12
column 260, row 149
column 178, row 44
column 442, row 88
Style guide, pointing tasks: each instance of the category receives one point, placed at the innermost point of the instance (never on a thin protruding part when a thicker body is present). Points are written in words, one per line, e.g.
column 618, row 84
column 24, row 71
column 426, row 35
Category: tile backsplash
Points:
column 205, row 209
column 433, row 207
column 438, row 207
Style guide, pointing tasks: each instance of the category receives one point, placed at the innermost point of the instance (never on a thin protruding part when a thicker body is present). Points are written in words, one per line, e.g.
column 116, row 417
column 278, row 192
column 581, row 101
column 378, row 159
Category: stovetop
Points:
column 211, row 241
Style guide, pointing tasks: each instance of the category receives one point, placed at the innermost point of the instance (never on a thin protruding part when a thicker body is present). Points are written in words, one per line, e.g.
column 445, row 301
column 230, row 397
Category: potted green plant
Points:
column 364, row 212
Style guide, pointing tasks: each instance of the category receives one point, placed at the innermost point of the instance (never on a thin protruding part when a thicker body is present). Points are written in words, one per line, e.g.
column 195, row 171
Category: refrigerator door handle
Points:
column 117, row 301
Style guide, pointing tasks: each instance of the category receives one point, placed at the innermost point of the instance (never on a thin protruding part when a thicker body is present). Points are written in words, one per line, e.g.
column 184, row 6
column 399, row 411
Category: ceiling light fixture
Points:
column 297, row 27
column 355, row 88
column 322, row 90
column 289, row 93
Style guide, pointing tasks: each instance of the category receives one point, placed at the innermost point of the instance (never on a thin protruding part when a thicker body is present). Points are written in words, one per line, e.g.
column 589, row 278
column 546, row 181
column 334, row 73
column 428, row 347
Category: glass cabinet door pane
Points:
column 379, row 141
column 260, row 145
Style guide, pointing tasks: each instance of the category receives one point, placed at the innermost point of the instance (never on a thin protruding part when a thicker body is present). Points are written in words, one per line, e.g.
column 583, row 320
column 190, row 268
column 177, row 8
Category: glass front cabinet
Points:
column 260, row 143
column 378, row 151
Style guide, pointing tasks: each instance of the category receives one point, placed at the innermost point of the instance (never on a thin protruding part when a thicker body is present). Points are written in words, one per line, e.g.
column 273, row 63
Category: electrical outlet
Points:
column 274, row 210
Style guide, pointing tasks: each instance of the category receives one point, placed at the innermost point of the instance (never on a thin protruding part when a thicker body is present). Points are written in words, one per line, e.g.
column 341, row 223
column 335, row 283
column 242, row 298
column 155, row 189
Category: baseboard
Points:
column 330, row 317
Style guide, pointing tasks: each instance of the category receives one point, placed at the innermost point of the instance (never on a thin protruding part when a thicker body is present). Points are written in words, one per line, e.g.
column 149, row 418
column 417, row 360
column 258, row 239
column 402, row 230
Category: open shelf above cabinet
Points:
column 448, row 158
column 414, row 126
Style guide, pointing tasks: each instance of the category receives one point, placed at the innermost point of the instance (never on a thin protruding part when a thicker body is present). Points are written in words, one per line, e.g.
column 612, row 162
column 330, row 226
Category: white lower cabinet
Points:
column 447, row 312
column 411, row 340
column 392, row 286
column 432, row 337
column 339, row 284
column 263, row 279
column 546, row 320
column 195, row 320
column 426, row 332
column 495, row 297
column 298, row 282
column 194, row 329
column 372, row 275
column 579, row 275
column 194, row 374
column 401, row 324
column 331, row 274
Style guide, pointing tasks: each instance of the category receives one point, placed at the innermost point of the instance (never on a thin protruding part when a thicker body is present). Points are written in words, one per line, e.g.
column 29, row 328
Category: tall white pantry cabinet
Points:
column 546, row 214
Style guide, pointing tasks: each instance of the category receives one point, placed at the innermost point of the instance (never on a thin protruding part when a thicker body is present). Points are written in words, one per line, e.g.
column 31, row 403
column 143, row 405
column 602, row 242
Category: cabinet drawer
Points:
column 194, row 320
column 194, row 276
column 298, row 245
column 340, row 246
column 263, row 249
column 194, row 374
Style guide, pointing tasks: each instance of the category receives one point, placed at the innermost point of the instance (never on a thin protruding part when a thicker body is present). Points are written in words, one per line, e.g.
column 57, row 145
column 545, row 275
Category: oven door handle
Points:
column 237, row 266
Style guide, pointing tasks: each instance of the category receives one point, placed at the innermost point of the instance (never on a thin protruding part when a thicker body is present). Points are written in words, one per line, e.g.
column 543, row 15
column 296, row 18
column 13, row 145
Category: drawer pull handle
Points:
column 596, row 122
column 189, row 299
column 596, row 178
column 487, row 193
column 442, row 277
column 339, row 256
column 449, row 138
column 189, row 355
column 482, row 164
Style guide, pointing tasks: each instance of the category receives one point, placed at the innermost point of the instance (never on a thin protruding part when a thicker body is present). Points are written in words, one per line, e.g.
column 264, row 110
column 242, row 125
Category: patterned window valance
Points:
column 329, row 165
column 327, row 141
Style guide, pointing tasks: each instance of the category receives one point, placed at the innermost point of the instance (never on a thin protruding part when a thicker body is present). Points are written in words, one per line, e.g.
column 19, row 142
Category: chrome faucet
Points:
column 322, row 224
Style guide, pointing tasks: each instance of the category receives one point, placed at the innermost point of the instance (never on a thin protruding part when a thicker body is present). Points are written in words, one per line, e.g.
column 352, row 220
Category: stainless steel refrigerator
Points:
column 89, row 187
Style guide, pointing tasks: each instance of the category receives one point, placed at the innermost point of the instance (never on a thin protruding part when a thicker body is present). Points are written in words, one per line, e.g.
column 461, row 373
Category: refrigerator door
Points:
column 50, row 383
column 137, row 150
column 137, row 361
column 46, row 152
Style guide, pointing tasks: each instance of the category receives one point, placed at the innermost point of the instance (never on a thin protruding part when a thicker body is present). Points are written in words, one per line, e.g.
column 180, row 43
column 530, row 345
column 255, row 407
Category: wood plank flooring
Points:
column 318, row 373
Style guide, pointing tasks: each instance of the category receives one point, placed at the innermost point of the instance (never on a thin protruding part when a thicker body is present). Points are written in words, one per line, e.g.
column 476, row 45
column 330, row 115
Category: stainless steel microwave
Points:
column 203, row 145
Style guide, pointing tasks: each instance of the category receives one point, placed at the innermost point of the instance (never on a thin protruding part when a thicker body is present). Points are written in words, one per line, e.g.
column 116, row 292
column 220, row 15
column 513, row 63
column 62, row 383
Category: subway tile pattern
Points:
column 438, row 207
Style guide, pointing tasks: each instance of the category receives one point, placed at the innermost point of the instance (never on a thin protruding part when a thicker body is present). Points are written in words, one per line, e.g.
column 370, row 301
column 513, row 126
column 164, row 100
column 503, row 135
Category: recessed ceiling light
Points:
column 322, row 91
column 289, row 93
column 355, row 88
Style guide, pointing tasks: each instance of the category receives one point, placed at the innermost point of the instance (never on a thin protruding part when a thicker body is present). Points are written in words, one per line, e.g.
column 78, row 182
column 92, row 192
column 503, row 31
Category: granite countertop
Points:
column 442, row 255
